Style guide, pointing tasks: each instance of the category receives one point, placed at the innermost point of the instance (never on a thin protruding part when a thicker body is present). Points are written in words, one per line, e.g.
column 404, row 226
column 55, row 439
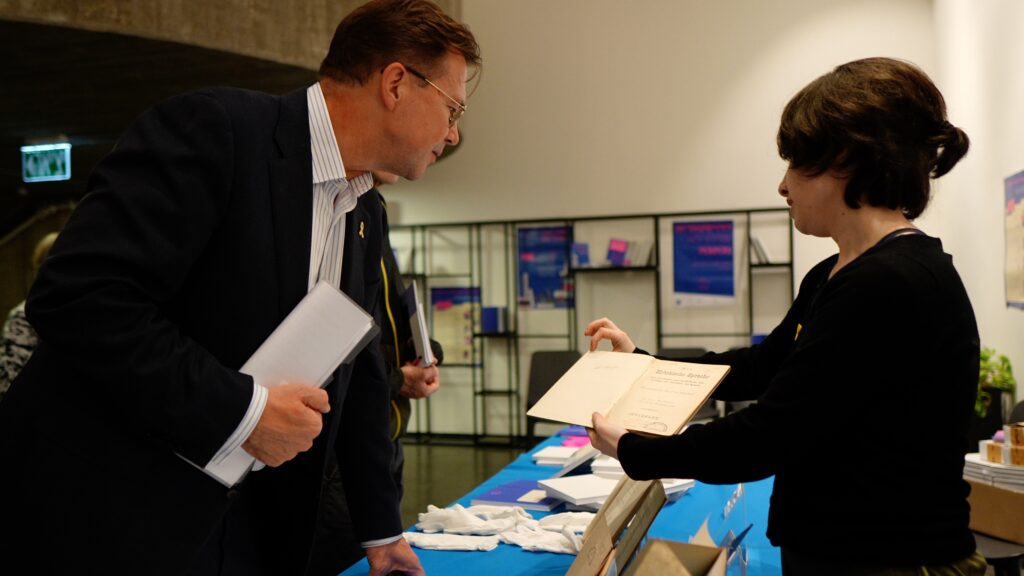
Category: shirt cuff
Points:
column 380, row 542
column 252, row 417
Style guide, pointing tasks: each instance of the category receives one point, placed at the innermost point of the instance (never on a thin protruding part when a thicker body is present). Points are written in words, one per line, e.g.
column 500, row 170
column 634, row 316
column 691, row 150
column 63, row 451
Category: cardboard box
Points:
column 997, row 512
column 661, row 557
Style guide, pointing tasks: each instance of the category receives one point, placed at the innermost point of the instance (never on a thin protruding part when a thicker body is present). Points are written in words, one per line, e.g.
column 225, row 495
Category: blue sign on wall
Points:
column 703, row 257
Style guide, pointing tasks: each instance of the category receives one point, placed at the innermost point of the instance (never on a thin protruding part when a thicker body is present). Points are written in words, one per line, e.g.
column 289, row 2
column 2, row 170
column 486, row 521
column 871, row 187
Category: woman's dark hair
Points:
column 879, row 121
column 414, row 32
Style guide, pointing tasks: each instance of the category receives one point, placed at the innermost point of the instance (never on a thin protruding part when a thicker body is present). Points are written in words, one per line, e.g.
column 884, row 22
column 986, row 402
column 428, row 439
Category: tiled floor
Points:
column 439, row 475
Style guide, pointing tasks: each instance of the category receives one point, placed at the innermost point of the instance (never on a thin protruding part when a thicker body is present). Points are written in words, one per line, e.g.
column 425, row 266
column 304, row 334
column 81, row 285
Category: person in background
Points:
column 212, row 218
column 865, row 390
column 19, row 340
column 336, row 547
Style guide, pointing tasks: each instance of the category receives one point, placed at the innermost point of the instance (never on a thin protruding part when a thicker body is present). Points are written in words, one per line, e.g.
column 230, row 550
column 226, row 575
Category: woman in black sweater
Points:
column 864, row 391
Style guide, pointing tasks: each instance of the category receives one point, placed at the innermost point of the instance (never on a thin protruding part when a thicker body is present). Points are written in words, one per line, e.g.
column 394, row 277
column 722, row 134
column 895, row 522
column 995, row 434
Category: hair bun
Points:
column 954, row 143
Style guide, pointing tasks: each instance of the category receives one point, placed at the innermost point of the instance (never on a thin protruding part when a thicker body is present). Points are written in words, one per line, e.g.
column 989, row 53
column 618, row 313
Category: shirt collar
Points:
column 327, row 163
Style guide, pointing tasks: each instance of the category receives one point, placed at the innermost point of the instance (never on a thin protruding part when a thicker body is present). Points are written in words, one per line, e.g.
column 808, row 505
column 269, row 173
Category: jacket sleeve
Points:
column 103, row 296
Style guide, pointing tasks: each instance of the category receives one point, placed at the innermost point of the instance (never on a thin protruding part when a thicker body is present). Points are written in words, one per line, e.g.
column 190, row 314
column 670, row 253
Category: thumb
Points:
column 317, row 399
column 599, row 420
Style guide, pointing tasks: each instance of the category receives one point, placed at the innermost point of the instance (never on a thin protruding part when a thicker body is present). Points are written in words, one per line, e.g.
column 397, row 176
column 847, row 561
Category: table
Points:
column 677, row 521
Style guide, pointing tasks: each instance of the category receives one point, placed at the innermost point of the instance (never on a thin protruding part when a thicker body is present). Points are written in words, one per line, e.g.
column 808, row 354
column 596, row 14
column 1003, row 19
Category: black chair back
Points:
column 546, row 367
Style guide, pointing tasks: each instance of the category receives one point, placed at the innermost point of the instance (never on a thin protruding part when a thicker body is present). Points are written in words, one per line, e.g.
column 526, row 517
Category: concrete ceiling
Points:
column 86, row 87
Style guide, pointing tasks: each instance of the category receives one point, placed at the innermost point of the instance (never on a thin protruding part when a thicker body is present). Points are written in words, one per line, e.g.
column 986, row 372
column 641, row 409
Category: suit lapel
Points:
column 291, row 191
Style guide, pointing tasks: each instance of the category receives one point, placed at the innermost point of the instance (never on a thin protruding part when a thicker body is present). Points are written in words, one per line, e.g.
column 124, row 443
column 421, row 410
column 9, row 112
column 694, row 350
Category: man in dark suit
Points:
column 212, row 218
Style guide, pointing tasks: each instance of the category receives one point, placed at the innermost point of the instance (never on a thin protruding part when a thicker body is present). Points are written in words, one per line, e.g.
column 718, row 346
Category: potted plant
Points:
column 995, row 379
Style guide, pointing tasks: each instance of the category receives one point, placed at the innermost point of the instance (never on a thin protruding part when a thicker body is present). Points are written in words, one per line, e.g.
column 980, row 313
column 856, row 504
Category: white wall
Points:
column 981, row 70
column 591, row 107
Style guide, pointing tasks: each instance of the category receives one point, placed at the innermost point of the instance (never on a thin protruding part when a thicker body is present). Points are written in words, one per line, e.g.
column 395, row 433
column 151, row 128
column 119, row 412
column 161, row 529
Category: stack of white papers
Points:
column 583, row 489
column 607, row 467
column 554, row 455
column 993, row 474
column 589, row 491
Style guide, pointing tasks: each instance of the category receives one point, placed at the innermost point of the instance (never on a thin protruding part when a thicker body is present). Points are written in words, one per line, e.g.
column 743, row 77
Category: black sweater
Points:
column 864, row 395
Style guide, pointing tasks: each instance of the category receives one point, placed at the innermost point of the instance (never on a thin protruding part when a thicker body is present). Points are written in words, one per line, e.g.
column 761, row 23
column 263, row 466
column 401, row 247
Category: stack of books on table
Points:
column 607, row 467
column 554, row 455
column 589, row 491
column 523, row 493
column 1003, row 476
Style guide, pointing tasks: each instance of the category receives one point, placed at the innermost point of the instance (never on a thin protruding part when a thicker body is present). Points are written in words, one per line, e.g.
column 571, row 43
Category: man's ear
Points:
column 393, row 82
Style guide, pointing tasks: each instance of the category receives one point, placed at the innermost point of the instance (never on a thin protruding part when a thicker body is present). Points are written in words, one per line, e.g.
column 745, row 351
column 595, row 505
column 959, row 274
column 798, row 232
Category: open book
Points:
column 640, row 392
column 325, row 330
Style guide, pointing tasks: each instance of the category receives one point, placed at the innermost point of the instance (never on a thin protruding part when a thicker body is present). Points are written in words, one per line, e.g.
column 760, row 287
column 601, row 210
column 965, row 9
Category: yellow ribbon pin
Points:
column 362, row 226
column 798, row 328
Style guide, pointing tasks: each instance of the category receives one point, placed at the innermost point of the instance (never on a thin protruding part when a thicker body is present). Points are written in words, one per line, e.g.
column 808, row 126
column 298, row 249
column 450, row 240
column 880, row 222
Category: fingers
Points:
column 290, row 422
column 317, row 399
column 610, row 334
column 599, row 323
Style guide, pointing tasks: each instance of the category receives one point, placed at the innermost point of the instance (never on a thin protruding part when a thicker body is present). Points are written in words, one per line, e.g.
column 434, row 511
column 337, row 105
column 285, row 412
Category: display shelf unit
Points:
column 483, row 389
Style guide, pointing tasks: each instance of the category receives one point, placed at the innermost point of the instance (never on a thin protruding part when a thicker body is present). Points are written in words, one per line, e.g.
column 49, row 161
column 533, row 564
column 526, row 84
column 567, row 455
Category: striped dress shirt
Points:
column 333, row 197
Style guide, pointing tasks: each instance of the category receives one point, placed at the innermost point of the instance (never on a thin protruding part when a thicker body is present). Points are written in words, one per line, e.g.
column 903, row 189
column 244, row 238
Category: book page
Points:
column 594, row 383
column 666, row 396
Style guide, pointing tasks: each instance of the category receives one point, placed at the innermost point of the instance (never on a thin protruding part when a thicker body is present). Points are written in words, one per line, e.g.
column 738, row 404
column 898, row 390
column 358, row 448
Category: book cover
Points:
column 523, row 493
column 492, row 319
column 617, row 249
column 326, row 329
column 554, row 455
column 418, row 326
column 642, row 393
column 585, row 489
column 580, row 254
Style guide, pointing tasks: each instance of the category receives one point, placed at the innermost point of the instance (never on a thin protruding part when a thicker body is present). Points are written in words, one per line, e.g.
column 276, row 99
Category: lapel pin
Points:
column 362, row 227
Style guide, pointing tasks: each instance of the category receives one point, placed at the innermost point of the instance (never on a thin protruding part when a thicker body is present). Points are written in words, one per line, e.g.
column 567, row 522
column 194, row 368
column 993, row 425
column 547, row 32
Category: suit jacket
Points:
column 190, row 247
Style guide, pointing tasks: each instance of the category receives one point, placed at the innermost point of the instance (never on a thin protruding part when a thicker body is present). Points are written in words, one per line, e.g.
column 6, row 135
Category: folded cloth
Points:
column 536, row 539
column 451, row 541
column 475, row 520
column 575, row 521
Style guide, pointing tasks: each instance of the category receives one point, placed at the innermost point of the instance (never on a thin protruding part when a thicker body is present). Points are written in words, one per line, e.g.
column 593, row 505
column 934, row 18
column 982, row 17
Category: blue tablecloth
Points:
column 677, row 521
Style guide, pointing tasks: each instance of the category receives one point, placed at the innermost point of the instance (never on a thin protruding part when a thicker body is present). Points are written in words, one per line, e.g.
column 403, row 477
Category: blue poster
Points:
column 703, row 258
column 1014, row 216
column 544, row 280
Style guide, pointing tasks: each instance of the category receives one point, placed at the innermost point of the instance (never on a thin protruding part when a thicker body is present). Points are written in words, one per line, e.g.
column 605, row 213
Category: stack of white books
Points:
column 607, row 467
column 582, row 489
column 993, row 474
column 554, row 455
column 589, row 491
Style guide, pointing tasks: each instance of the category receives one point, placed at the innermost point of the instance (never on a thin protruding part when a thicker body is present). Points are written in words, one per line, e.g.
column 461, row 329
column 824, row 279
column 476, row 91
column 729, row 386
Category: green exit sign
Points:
column 46, row 162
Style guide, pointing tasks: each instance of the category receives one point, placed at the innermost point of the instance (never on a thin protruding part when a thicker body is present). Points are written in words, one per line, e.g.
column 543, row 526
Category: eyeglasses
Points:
column 453, row 113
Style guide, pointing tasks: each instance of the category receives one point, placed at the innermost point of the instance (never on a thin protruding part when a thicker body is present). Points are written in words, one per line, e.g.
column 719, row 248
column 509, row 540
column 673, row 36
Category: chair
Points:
column 1017, row 414
column 546, row 367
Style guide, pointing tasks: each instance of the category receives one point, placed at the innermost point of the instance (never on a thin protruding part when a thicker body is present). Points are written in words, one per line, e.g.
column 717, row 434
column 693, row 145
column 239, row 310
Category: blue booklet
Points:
column 523, row 493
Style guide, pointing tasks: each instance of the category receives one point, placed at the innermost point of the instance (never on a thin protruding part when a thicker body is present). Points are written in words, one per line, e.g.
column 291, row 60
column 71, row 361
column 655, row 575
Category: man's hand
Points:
column 605, row 329
column 605, row 435
column 289, row 423
column 394, row 557
column 420, row 382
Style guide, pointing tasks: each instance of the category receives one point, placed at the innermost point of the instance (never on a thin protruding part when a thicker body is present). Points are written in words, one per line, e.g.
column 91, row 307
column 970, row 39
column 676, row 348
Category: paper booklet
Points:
column 418, row 326
column 639, row 392
column 523, row 493
column 325, row 330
